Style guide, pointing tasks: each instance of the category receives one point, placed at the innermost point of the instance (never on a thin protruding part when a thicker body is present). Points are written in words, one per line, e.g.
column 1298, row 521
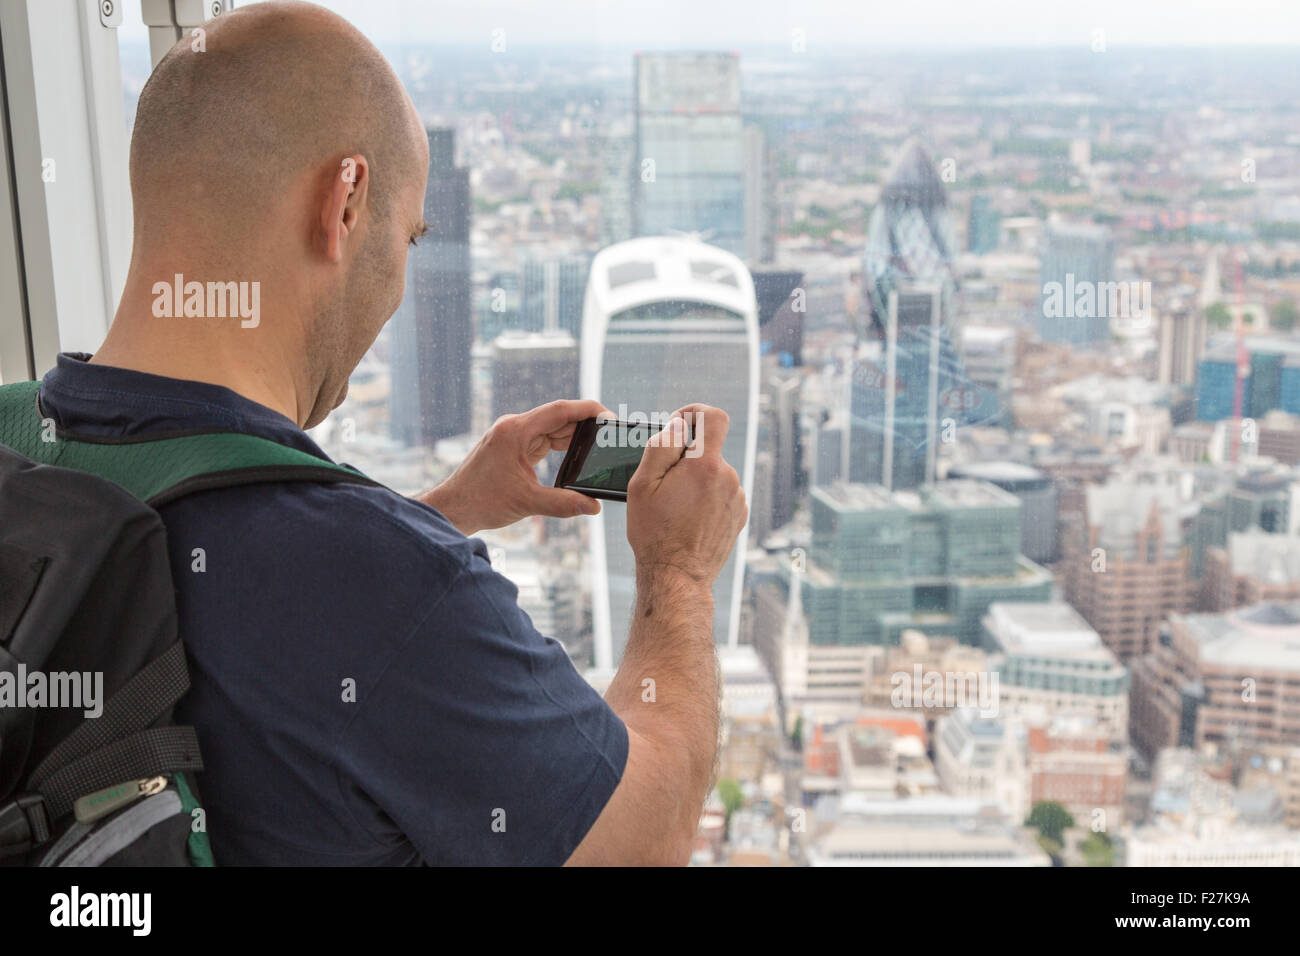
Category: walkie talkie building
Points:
column 666, row 322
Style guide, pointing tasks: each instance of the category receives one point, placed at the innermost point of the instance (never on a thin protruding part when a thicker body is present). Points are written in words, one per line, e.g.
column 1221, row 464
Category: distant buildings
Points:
column 1048, row 659
column 689, row 171
column 1255, row 567
column 434, row 327
column 1074, row 257
column 1130, row 569
column 760, row 189
column 1271, row 377
column 1037, row 494
column 1082, row 764
column 984, row 225
column 1181, row 343
column 1219, row 679
column 782, row 307
column 931, row 560
column 1200, row 819
column 934, row 830
column 781, row 441
column 532, row 369
column 983, row 757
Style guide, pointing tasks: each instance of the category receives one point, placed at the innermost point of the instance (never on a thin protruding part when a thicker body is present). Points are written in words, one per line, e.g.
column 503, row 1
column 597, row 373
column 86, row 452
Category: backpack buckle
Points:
column 24, row 824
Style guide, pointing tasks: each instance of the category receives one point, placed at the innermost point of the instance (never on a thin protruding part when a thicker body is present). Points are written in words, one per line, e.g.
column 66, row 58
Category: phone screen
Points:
column 614, row 456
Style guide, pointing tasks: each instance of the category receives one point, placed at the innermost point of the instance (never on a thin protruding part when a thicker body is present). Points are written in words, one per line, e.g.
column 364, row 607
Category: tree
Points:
column 1284, row 315
column 1097, row 850
column 1218, row 315
column 1051, row 819
column 732, row 800
column 796, row 736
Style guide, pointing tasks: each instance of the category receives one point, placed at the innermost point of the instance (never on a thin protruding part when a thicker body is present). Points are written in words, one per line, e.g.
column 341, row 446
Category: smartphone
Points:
column 604, row 454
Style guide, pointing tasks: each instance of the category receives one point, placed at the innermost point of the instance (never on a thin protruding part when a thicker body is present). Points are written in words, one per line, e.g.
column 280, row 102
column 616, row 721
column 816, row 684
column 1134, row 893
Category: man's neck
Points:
column 249, row 361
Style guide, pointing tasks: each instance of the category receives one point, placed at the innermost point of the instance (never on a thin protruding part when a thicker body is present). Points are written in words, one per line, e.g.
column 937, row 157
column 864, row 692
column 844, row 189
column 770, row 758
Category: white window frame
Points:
column 65, row 244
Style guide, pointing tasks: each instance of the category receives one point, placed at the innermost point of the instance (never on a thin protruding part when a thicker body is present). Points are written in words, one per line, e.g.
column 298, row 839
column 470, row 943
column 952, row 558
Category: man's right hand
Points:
column 684, row 513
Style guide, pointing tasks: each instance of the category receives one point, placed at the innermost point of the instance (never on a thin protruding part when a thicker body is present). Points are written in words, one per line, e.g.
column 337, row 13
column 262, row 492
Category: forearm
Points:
column 666, row 689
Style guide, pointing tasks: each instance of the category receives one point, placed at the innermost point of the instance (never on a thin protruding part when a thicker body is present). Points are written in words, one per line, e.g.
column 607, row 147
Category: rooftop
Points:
column 1263, row 636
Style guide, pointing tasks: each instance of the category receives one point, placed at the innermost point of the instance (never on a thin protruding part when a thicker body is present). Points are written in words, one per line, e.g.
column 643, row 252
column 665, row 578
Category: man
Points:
column 365, row 688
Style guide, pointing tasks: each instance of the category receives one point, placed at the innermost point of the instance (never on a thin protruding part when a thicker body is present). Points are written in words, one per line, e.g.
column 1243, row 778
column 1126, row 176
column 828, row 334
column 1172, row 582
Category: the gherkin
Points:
column 897, row 423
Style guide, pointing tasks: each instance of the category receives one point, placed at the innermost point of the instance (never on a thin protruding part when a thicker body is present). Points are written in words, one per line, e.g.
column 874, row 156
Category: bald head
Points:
column 279, row 153
column 279, row 91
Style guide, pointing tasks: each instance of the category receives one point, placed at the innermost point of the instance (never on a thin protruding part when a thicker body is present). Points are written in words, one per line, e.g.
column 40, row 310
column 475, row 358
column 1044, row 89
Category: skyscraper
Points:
column 901, row 404
column 759, row 190
column 1075, row 256
column 983, row 225
column 668, row 321
column 688, row 170
column 1181, row 342
column 434, row 327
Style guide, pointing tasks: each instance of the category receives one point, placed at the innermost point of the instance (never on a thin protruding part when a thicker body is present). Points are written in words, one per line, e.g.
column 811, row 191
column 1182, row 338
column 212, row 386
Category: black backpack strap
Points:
column 145, row 753
column 138, row 703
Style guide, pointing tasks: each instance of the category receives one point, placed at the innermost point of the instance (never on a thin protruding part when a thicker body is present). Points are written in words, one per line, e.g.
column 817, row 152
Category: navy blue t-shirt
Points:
column 472, row 738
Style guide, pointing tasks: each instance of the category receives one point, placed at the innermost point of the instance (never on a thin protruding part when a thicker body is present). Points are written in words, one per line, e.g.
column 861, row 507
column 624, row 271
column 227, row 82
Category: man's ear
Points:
column 343, row 204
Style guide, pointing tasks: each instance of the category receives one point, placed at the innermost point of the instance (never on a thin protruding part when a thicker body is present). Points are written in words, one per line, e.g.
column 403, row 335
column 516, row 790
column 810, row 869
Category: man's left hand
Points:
column 496, row 484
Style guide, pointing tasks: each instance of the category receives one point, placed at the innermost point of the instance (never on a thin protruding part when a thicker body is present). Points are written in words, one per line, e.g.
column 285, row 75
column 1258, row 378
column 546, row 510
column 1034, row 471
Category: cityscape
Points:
column 1008, row 340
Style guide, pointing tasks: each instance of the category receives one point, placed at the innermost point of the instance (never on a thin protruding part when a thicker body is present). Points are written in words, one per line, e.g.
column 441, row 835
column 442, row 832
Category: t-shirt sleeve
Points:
column 480, row 740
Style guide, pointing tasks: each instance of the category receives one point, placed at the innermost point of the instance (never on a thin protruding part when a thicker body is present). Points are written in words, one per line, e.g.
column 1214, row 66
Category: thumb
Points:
column 562, row 503
column 663, row 450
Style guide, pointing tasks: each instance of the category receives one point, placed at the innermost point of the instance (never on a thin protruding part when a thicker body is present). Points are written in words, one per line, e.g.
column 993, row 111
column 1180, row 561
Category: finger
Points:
column 710, row 428
column 562, row 503
column 663, row 450
column 553, row 416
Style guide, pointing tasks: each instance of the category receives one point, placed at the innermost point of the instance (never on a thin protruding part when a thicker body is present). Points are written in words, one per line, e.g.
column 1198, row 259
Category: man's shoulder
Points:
column 340, row 523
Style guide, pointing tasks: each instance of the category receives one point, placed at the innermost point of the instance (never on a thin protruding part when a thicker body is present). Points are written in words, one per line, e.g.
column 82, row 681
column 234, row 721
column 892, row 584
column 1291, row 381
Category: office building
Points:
column 760, row 190
column 983, row 225
column 1081, row 763
column 1076, row 257
column 1181, row 343
column 531, row 369
column 929, row 830
column 782, row 308
column 1221, row 679
column 1049, row 660
column 1255, row 567
column 688, row 174
column 668, row 321
column 1270, row 379
column 1129, row 571
column 433, row 329
column 932, row 560
column 1038, row 502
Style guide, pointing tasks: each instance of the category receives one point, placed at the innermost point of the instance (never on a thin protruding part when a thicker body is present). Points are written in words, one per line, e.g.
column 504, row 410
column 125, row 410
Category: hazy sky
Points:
column 726, row 23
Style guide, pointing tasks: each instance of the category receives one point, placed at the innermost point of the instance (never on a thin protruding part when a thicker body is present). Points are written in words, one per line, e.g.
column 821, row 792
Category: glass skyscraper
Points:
column 433, row 328
column 688, row 169
column 901, row 403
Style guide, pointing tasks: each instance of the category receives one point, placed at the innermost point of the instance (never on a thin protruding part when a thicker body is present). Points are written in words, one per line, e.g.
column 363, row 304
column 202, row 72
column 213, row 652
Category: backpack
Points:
column 92, row 769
